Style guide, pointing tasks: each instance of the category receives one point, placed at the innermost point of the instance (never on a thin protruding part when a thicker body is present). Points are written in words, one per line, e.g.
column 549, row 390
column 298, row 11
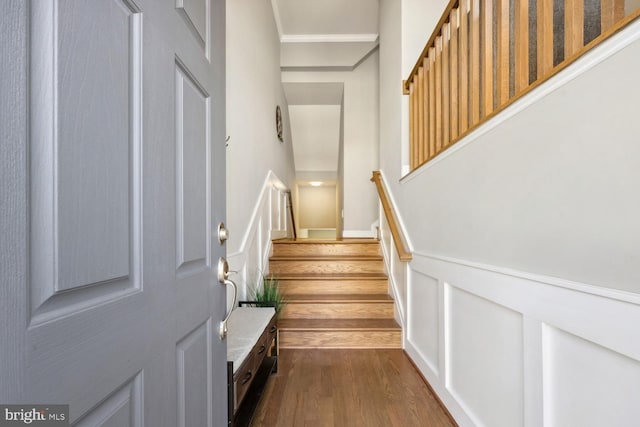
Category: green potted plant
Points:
column 267, row 291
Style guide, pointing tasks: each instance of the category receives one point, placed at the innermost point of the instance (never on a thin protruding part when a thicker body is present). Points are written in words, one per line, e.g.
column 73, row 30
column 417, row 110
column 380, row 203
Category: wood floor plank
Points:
column 348, row 388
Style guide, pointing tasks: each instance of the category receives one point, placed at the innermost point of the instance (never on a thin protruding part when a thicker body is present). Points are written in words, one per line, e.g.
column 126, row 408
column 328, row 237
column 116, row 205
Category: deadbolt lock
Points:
column 223, row 233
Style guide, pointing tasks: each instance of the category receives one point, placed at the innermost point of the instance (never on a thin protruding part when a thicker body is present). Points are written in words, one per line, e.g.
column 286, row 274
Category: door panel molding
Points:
column 85, row 233
column 194, row 391
column 195, row 14
column 124, row 407
column 193, row 171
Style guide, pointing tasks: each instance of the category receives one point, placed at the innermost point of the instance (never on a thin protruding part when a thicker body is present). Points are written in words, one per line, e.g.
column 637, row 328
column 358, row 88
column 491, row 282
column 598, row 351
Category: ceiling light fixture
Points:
column 315, row 183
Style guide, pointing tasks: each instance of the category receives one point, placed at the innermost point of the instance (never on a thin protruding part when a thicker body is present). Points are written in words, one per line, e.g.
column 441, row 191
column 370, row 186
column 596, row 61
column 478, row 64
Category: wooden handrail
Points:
column 398, row 238
column 485, row 54
column 293, row 221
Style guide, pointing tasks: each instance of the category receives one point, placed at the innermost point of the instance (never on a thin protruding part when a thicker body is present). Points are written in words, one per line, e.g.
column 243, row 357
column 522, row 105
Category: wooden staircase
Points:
column 336, row 294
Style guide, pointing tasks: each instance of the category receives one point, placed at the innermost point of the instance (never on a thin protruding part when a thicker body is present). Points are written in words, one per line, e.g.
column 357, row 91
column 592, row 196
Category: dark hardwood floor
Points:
column 318, row 387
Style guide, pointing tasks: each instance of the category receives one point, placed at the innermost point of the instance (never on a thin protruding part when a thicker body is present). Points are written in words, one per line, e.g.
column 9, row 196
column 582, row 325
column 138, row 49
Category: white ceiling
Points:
column 315, row 130
column 326, row 17
column 318, row 35
column 325, row 34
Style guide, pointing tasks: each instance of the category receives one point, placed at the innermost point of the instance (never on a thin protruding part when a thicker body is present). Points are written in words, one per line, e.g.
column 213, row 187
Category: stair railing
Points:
column 398, row 237
column 293, row 221
column 485, row 54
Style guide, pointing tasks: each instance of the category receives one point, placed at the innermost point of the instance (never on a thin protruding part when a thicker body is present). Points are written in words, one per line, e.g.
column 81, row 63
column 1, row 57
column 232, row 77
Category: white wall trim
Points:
column 399, row 301
column 255, row 249
column 587, row 62
column 328, row 38
column 354, row 234
column 552, row 320
column 394, row 205
column 452, row 405
column 251, row 229
column 615, row 294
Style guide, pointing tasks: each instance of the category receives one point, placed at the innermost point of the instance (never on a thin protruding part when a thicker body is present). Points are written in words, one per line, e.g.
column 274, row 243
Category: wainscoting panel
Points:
column 587, row 384
column 396, row 270
column 423, row 331
column 516, row 349
column 269, row 221
column 484, row 351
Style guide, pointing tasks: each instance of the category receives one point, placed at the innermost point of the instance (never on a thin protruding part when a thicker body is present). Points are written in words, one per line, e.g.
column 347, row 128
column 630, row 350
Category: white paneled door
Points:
column 112, row 189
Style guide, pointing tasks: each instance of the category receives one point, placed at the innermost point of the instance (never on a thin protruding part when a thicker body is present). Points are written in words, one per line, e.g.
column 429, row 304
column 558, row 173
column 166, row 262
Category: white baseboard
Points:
column 354, row 234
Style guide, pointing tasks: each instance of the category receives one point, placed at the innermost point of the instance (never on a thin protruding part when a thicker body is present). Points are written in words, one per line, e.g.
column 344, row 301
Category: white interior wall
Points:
column 360, row 139
column 550, row 190
column 523, row 292
column 316, row 175
column 532, row 179
column 315, row 129
column 393, row 153
column 317, row 206
column 254, row 89
column 419, row 17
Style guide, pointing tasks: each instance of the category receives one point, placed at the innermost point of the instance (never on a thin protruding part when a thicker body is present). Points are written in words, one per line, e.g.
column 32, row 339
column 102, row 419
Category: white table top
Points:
column 245, row 325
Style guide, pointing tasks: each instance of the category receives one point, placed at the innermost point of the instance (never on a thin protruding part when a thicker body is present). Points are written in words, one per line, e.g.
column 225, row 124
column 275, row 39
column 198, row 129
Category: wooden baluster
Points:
column 545, row 37
column 432, row 102
column 416, row 104
column 475, row 63
column 424, row 147
column 487, row 57
column 438, row 88
column 521, row 45
column 573, row 26
column 612, row 11
column 464, row 65
column 454, row 72
column 420, row 101
column 412, row 136
column 446, row 87
column 502, row 61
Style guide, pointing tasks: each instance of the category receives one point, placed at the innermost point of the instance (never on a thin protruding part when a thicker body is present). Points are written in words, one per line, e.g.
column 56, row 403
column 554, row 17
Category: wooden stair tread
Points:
column 332, row 276
column 329, row 298
column 337, row 324
column 336, row 294
column 326, row 258
column 321, row 241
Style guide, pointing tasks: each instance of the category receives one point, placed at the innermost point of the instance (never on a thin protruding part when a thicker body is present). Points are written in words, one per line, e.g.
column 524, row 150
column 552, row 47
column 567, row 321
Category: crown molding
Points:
column 328, row 38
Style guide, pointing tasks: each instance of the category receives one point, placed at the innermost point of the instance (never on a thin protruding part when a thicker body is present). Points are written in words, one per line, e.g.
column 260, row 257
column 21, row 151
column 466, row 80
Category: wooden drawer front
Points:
column 272, row 331
column 261, row 348
column 243, row 379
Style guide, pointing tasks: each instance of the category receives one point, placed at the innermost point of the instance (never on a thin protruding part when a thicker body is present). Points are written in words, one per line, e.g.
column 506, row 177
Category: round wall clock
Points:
column 279, row 123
